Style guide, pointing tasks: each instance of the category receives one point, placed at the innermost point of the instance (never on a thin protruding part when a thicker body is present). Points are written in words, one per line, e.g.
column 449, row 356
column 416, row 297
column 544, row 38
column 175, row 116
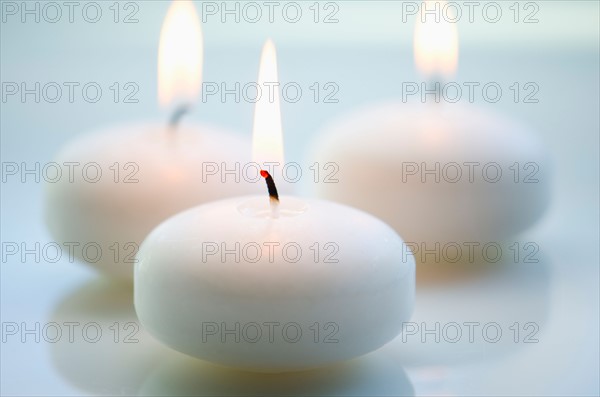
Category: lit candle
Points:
column 129, row 178
column 437, row 173
column 273, row 284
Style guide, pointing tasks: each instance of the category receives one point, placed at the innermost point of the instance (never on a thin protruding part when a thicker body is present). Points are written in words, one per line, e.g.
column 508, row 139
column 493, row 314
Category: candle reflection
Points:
column 374, row 374
column 124, row 354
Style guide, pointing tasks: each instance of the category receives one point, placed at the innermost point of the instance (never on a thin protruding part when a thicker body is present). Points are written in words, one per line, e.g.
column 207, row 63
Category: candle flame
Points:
column 180, row 55
column 267, row 142
column 435, row 41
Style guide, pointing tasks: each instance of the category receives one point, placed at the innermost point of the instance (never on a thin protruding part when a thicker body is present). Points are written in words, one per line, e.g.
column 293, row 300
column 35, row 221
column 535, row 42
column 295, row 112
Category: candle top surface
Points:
column 330, row 247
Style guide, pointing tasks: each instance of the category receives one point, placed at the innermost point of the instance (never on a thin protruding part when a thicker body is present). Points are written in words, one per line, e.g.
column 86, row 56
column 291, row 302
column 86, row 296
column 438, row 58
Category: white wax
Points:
column 160, row 173
column 376, row 147
column 320, row 310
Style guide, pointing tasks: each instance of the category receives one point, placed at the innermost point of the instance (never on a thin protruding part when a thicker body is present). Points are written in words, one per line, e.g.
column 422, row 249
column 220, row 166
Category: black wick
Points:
column 270, row 185
column 178, row 114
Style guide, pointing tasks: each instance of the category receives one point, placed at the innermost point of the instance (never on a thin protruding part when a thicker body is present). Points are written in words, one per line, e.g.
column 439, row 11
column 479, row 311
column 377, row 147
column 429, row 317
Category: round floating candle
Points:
column 127, row 179
column 229, row 283
column 437, row 173
column 273, row 286
column 137, row 176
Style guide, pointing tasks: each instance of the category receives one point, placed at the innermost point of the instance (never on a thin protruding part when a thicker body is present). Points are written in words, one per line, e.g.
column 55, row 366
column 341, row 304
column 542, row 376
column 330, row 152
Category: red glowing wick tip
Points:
column 264, row 173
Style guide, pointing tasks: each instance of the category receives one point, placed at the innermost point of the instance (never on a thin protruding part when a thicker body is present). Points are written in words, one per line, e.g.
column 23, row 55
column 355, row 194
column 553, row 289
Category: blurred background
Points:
column 365, row 49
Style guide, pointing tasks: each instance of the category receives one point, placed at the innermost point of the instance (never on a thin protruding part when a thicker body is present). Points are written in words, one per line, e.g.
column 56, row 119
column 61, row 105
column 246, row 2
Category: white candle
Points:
column 228, row 283
column 267, row 286
column 148, row 171
column 148, row 174
column 437, row 172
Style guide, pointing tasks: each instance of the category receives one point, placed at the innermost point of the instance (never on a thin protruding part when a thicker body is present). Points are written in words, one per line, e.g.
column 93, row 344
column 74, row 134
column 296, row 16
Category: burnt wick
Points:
column 273, row 195
column 179, row 112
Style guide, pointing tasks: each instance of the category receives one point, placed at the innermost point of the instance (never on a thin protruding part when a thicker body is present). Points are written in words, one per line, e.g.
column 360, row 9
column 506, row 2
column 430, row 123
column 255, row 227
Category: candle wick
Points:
column 436, row 81
column 273, row 195
column 179, row 112
column 274, row 208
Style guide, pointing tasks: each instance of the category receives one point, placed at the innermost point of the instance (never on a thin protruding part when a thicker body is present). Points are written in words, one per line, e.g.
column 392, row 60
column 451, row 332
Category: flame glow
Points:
column 435, row 43
column 267, row 141
column 180, row 55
